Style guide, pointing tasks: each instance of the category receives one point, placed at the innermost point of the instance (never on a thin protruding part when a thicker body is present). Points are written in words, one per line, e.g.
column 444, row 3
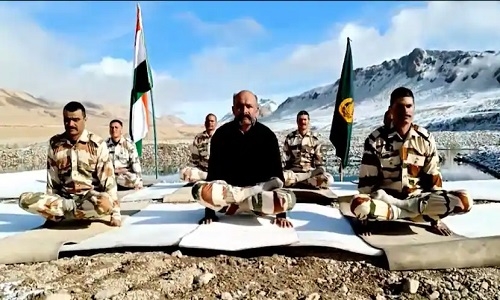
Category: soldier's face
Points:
column 115, row 130
column 245, row 109
column 402, row 111
column 302, row 122
column 74, row 122
column 210, row 123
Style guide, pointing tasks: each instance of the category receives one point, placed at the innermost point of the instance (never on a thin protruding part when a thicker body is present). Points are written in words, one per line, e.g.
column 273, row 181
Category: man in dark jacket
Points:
column 244, row 170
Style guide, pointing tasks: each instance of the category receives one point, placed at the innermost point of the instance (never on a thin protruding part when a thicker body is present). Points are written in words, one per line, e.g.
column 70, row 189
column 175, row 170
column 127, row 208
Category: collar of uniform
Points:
column 85, row 137
column 205, row 133
column 307, row 133
column 393, row 133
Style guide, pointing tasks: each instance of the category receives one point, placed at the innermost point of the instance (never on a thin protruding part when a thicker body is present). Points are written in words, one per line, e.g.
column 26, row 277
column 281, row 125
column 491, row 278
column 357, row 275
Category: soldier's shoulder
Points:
column 316, row 135
column 377, row 133
column 96, row 139
column 422, row 132
column 292, row 134
column 56, row 139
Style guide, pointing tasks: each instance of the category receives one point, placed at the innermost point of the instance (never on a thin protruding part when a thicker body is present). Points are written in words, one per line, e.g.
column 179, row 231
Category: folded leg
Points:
column 266, row 198
column 192, row 174
column 128, row 180
column 318, row 178
column 428, row 206
column 56, row 208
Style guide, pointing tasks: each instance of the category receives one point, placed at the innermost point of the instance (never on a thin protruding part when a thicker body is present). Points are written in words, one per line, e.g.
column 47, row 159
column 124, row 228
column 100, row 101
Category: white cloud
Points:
column 35, row 60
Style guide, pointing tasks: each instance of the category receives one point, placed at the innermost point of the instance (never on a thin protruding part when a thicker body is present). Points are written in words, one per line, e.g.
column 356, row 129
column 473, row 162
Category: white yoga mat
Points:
column 154, row 192
column 325, row 226
column 240, row 232
column 478, row 189
column 14, row 184
column 14, row 220
column 158, row 225
column 344, row 189
column 482, row 221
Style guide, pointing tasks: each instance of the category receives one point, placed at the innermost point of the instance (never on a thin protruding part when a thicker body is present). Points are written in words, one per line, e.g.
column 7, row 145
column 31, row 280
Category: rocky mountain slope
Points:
column 454, row 90
column 267, row 107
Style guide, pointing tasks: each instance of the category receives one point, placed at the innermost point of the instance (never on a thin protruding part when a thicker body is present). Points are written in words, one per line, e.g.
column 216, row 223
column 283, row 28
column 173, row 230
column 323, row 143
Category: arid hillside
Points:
column 25, row 119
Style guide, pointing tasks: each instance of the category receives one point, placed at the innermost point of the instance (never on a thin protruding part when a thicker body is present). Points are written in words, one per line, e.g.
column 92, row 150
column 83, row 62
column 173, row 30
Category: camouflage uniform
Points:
column 124, row 155
column 303, row 161
column 268, row 198
column 80, row 181
column 200, row 152
column 400, row 179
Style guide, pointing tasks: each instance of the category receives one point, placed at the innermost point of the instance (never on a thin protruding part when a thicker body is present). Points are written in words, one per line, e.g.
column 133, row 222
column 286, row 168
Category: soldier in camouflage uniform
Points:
column 200, row 152
column 399, row 177
column 303, row 161
column 124, row 157
column 80, row 175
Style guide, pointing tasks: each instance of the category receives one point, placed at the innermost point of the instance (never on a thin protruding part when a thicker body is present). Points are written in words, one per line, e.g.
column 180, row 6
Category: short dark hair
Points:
column 302, row 113
column 209, row 115
column 399, row 93
column 74, row 106
column 116, row 121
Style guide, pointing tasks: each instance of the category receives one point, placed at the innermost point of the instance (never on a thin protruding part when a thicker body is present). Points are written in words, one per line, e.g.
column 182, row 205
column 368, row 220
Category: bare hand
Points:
column 138, row 187
column 440, row 228
column 208, row 220
column 282, row 222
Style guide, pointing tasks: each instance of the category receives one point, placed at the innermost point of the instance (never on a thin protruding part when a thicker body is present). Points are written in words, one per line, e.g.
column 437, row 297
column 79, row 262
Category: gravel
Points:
column 310, row 274
column 159, row 275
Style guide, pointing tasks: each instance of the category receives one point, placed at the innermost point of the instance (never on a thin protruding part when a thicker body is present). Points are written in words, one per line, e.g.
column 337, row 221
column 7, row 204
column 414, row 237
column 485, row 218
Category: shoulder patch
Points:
column 315, row 135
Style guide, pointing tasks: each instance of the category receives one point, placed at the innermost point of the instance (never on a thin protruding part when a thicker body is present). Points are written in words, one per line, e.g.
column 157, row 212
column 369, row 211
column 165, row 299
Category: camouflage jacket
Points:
column 302, row 153
column 75, row 169
column 200, row 151
column 401, row 166
column 124, row 155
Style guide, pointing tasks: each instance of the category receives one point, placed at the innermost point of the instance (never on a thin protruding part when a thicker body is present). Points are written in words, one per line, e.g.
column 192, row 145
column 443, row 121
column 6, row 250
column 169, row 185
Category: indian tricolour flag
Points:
column 143, row 83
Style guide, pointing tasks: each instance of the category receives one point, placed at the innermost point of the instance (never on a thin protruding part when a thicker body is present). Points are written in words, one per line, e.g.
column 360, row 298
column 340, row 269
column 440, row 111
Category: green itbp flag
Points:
column 139, row 104
column 340, row 132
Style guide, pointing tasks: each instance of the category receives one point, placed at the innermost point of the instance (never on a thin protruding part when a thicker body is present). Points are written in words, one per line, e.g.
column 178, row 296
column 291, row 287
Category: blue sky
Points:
column 202, row 52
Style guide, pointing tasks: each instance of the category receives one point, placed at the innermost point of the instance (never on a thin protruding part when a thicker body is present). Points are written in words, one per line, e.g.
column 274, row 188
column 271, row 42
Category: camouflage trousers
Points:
column 263, row 199
column 128, row 180
column 91, row 205
column 424, row 207
column 315, row 179
column 192, row 174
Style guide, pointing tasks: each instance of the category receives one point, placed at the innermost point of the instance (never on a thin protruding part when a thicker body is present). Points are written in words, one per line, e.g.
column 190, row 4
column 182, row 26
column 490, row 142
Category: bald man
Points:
column 200, row 152
column 244, row 169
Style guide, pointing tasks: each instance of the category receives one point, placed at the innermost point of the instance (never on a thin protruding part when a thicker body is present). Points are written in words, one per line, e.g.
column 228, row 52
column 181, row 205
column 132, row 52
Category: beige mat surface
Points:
column 323, row 196
column 43, row 244
column 411, row 246
column 182, row 195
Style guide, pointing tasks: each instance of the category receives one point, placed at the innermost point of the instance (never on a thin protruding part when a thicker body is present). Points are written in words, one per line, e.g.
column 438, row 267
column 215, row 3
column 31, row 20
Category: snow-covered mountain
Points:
column 267, row 107
column 454, row 90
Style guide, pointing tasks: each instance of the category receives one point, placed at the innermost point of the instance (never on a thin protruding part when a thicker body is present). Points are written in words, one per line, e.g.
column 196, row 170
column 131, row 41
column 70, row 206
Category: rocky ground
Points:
column 176, row 276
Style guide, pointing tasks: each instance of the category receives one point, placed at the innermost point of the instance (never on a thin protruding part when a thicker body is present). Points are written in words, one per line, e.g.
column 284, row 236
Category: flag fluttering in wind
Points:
column 142, row 93
column 340, row 132
column 143, row 83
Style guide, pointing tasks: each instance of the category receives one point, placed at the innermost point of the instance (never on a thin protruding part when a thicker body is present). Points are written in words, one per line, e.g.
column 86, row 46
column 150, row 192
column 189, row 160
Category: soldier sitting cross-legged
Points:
column 80, row 175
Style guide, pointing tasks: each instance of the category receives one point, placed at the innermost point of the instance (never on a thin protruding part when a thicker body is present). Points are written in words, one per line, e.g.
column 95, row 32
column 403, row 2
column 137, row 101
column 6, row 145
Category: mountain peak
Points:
column 431, row 74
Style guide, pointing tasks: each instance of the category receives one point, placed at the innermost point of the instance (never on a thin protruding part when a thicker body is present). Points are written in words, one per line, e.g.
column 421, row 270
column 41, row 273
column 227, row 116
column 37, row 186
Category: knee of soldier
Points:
column 291, row 200
column 184, row 173
column 329, row 178
column 464, row 199
column 360, row 206
column 27, row 199
column 196, row 190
